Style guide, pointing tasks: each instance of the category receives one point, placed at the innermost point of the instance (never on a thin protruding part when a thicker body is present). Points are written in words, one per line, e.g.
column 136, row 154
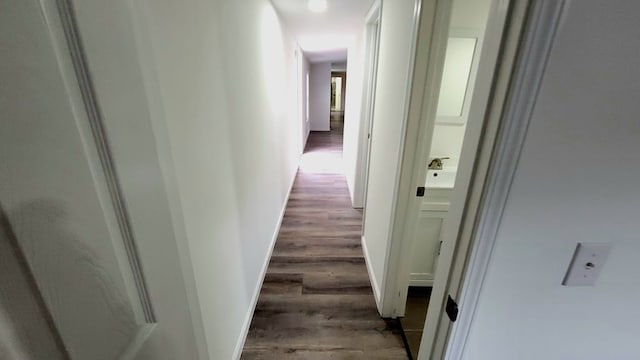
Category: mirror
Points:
column 457, row 79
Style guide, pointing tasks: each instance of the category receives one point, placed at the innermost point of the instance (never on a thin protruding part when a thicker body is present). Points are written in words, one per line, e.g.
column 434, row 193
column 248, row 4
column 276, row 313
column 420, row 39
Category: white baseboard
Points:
column 306, row 138
column 256, row 293
column 419, row 279
column 372, row 277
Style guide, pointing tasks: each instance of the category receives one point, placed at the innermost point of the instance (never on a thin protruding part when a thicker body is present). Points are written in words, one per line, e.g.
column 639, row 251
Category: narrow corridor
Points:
column 316, row 301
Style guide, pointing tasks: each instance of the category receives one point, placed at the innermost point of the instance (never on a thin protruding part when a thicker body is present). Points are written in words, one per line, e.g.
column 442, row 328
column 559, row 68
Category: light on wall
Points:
column 317, row 5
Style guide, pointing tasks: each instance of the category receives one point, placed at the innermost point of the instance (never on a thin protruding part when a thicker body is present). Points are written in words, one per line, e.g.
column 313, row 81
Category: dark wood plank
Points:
column 316, row 301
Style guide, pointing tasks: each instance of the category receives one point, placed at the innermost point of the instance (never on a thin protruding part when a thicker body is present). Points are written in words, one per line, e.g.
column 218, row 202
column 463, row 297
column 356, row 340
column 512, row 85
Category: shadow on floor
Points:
column 415, row 315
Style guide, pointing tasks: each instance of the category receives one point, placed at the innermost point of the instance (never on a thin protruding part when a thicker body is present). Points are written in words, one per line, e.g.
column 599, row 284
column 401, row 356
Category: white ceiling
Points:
column 325, row 36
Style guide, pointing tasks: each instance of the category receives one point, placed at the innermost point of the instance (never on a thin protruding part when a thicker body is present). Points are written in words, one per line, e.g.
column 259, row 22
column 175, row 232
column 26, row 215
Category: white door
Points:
column 105, row 263
column 372, row 44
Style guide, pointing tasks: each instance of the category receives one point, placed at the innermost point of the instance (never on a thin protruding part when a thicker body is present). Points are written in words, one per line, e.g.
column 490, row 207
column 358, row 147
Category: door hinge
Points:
column 420, row 191
column 452, row 309
column 439, row 248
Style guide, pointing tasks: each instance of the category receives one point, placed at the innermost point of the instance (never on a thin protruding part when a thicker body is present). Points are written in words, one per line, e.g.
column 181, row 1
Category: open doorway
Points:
column 456, row 92
column 445, row 127
column 463, row 50
column 338, row 94
column 317, row 299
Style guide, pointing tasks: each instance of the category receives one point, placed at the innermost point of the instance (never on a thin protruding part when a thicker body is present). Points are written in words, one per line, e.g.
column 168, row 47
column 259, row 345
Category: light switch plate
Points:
column 587, row 262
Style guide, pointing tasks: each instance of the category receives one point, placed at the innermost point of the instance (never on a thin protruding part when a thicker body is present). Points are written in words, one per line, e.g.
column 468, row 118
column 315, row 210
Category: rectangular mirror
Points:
column 457, row 78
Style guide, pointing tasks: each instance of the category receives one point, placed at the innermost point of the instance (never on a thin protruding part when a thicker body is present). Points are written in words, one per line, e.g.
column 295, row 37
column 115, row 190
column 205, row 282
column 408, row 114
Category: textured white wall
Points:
column 577, row 181
column 319, row 96
column 390, row 107
column 227, row 79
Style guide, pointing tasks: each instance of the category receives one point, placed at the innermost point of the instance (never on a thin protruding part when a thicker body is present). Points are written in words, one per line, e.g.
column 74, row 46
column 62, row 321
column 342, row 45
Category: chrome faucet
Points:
column 436, row 163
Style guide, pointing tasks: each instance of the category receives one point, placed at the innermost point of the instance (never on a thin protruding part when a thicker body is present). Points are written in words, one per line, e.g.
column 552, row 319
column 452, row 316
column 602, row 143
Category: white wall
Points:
column 577, row 180
column 339, row 66
column 391, row 100
column 226, row 75
column 448, row 138
column 304, row 97
column 447, row 142
column 353, row 118
column 319, row 95
column 470, row 14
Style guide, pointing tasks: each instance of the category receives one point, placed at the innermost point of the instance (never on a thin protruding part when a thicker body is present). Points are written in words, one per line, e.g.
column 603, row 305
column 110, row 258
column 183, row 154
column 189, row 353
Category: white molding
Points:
column 545, row 18
column 421, row 279
column 429, row 207
column 373, row 14
column 256, row 292
column 454, row 247
column 62, row 13
column 372, row 276
column 157, row 119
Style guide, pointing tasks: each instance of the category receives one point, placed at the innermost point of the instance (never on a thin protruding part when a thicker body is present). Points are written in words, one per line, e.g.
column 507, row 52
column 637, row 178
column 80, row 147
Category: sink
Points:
column 441, row 179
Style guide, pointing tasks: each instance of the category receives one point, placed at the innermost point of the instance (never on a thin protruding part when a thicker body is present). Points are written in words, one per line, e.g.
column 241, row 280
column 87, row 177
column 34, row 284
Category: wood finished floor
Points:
column 415, row 316
column 316, row 301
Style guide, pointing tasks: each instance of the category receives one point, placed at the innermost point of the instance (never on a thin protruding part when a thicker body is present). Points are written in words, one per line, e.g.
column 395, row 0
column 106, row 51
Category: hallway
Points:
column 316, row 301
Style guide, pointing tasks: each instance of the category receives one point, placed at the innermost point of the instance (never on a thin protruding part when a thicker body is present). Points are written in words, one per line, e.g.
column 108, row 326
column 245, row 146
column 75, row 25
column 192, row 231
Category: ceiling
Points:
column 325, row 36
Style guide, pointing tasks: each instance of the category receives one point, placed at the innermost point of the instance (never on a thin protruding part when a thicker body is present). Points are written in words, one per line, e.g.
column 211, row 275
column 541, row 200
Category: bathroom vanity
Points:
column 434, row 209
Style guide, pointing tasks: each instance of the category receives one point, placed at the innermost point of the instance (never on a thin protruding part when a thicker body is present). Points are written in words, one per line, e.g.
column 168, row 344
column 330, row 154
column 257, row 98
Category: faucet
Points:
column 436, row 163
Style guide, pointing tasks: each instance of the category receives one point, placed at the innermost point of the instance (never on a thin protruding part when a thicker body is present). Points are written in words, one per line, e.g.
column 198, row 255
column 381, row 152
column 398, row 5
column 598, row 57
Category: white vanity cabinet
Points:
column 426, row 244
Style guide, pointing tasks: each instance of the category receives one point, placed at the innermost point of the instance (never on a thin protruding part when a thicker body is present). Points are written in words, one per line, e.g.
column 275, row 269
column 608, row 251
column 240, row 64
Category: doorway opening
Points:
column 338, row 94
column 446, row 129
column 459, row 74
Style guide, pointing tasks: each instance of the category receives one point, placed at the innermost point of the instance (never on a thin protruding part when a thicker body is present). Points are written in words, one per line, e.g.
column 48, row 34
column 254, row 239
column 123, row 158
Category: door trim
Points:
column 429, row 49
column 62, row 14
column 543, row 23
column 372, row 34
column 507, row 37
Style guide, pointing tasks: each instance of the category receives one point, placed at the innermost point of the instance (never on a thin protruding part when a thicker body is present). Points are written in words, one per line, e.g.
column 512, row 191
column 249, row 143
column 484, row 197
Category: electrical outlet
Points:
column 586, row 264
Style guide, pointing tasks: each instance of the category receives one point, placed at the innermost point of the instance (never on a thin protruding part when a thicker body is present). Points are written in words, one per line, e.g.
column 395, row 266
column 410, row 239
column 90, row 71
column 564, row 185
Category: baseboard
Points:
column 256, row 293
column 372, row 277
column 306, row 138
column 422, row 280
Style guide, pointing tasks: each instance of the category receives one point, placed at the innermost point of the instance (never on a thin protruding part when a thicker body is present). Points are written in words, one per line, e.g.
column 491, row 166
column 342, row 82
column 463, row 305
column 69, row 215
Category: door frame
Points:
column 529, row 41
column 299, row 97
column 431, row 50
column 419, row 134
column 431, row 45
column 342, row 74
column 372, row 42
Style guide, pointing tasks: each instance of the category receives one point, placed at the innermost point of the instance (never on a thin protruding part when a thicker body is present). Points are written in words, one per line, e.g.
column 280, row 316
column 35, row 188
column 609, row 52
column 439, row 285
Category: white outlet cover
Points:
column 586, row 264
